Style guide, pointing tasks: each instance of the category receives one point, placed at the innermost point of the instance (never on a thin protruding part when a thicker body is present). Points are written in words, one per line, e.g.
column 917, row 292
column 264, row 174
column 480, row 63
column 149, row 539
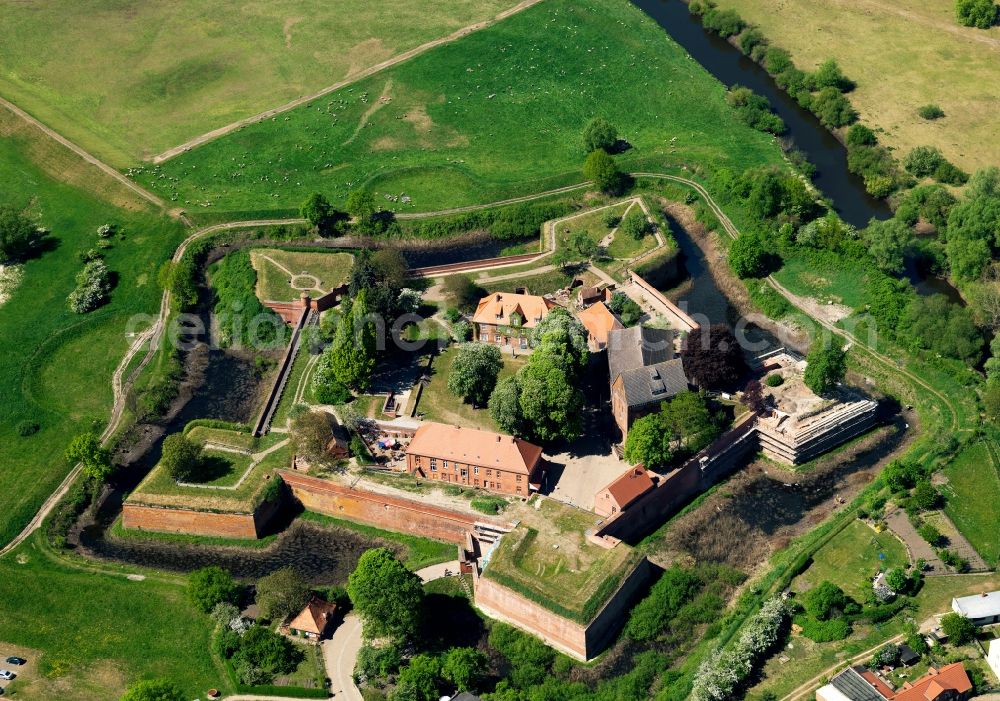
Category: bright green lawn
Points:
column 99, row 632
column 496, row 114
column 592, row 224
column 329, row 270
column 437, row 403
column 127, row 81
column 973, row 494
column 56, row 366
column 824, row 276
column 852, row 558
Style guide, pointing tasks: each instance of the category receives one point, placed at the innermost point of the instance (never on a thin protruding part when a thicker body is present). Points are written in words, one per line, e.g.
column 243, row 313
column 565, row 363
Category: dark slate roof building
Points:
column 644, row 371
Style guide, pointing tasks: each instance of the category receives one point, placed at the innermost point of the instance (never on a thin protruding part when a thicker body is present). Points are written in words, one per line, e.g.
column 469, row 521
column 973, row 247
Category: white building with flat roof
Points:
column 981, row 609
column 993, row 657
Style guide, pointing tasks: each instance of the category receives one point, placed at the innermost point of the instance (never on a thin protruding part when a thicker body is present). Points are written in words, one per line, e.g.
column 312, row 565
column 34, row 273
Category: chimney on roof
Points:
column 499, row 296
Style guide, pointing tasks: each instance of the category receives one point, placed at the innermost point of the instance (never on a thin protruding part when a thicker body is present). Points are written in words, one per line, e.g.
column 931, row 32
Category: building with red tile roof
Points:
column 475, row 458
column 314, row 621
column 950, row 683
column 505, row 318
column 599, row 322
column 622, row 491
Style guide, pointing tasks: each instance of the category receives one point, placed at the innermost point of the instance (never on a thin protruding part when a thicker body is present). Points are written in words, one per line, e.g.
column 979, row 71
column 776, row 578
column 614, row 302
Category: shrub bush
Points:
column 824, row 631
column 981, row 14
column 930, row 112
column 93, row 284
column 27, row 428
column 860, row 135
column 489, row 505
column 752, row 39
column 725, row 23
column 833, row 109
column 754, row 110
column 774, row 380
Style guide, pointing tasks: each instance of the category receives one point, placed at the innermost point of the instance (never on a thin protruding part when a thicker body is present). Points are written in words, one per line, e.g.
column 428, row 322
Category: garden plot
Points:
column 283, row 276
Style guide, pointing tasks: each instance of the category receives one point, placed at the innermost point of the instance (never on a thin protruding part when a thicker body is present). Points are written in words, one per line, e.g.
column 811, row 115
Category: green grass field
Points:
column 548, row 559
column 99, row 632
column 852, row 558
column 128, row 81
column 56, row 366
column 973, row 492
column 825, row 276
column 315, row 273
column 437, row 403
column 494, row 115
column 903, row 54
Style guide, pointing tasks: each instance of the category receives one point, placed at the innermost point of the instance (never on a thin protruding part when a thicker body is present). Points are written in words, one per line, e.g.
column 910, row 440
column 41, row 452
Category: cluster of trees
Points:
column 683, row 426
column 874, row 163
column 755, row 111
column 635, row 225
column 543, row 400
column 770, row 195
column 972, row 233
column 503, row 223
column 826, row 613
column 93, row 285
column 982, row 14
column 721, row 674
column 86, row 448
column 600, row 139
column 240, row 317
column 929, row 162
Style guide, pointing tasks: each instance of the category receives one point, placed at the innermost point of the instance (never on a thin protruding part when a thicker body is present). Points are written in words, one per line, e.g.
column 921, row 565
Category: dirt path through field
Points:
column 966, row 33
column 352, row 78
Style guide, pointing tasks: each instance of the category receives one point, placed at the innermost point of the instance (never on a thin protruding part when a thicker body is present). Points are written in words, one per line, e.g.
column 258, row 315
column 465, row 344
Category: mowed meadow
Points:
column 497, row 114
column 56, row 366
column 903, row 54
column 127, row 80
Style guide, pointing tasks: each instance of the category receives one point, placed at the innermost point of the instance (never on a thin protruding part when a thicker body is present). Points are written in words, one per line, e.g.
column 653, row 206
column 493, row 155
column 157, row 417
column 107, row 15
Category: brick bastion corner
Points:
column 580, row 641
column 172, row 519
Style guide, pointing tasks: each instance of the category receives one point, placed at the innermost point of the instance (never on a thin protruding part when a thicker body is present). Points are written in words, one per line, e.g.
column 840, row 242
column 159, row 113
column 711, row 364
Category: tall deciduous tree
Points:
column 648, row 443
column 474, row 372
column 748, row 256
column 888, row 242
column 551, row 401
column 181, row 457
column 599, row 134
column 603, row 171
column 826, row 366
column 211, row 586
column 17, row 234
column 86, row 448
column 352, row 355
column 981, row 14
column 713, row 360
column 505, row 406
column 310, row 433
column 388, row 597
column 464, row 667
column 281, row 594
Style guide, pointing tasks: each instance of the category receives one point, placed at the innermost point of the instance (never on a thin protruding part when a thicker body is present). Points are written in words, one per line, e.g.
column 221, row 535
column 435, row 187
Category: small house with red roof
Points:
column 315, row 621
column 622, row 491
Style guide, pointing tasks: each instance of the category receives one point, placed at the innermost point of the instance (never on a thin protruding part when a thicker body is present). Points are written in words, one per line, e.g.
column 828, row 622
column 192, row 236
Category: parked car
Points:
column 6, row 674
column 16, row 661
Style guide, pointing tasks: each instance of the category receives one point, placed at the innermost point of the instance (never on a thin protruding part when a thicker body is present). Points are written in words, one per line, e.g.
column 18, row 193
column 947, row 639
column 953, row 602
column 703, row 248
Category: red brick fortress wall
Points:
column 381, row 510
column 172, row 520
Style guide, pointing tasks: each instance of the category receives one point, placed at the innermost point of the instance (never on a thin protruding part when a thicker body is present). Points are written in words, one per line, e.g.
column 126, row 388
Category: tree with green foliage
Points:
column 551, row 401
column 922, row 161
column 967, row 258
column 361, row 204
column 938, row 325
column 262, row 654
column 926, row 496
column 565, row 333
column 327, row 388
column 17, row 234
column 635, row 225
column 309, row 434
column 388, row 597
column 991, row 401
column 419, row 680
column 748, row 255
column 930, row 202
column 600, row 134
column 888, row 242
column 505, row 406
column 981, row 14
column 675, row 587
column 822, row 601
column 474, row 372
column 465, row 667
column 754, row 110
column 829, row 75
column 601, row 169
column 211, row 586
column 352, row 354
column 153, row 690
column 579, row 246
column 929, row 533
column 860, row 135
column 833, row 109
column 86, row 448
column 897, row 580
column 959, row 629
column 689, row 421
column 281, row 594
column 901, row 474
column 625, row 308
column 826, row 366
column 648, row 443
column 462, row 293
column 930, row 112
column 725, row 23
column 316, row 209
column 181, row 457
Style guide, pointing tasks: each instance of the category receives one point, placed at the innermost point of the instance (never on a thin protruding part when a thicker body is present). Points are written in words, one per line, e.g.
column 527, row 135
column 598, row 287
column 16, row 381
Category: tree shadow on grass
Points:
column 452, row 623
column 212, row 467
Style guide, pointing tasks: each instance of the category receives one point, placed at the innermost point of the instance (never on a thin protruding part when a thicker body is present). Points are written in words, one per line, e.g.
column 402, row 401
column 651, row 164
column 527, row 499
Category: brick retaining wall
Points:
column 190, row 522
column 582, row 642
column 381, row 510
